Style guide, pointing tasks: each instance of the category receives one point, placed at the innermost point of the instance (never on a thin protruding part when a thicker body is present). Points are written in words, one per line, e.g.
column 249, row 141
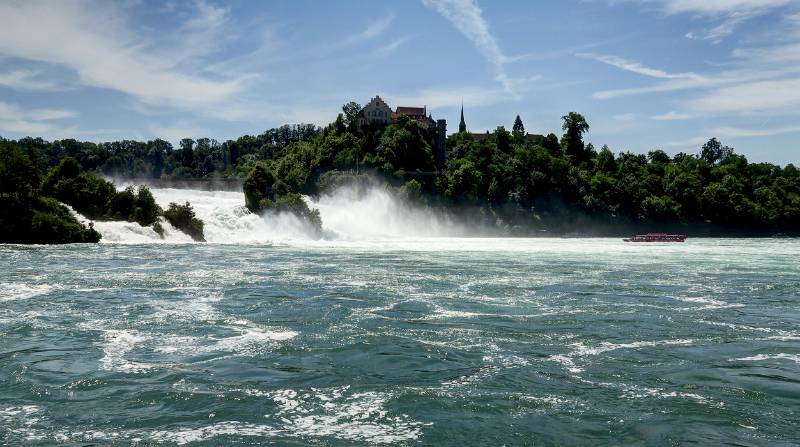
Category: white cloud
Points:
column 452, row 97
column 671, row 116
column 636, row 67
column 717, row 6
column 202, row 34
column 376, row 28
column 25, row 80
column 468, row 19
column 391, row 47
column 730, row 132
column 767, row 96
column 15, row 119
column 689, row 143
column 10, row 111
column 728, row 26
column 732, row 13
column 109, row 56
column 371, row 31
column 740, row 132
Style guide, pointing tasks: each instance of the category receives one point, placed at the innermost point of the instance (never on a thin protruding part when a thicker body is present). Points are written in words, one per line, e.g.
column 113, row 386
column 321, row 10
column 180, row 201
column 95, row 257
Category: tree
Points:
column 503, row 140
column 187, row 152
column 257, row 187
column 604, row 161
column 18, row 175
column 518, row 131
column 404, row 146
column 550, row 142
column 574, row 127
column 183, row 218
column 351, row 111
column 658, row 156
column 713, row 151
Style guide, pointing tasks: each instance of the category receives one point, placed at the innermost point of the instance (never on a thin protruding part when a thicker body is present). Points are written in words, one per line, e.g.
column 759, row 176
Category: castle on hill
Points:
column 378, row 112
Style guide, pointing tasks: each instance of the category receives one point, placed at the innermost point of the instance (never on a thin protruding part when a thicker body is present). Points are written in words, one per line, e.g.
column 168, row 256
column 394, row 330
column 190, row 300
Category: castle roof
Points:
column 377, row 99
column 411, row 111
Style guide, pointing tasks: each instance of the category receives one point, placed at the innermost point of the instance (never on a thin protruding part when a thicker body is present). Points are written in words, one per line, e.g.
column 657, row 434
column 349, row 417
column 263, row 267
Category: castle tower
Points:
column 462, row 126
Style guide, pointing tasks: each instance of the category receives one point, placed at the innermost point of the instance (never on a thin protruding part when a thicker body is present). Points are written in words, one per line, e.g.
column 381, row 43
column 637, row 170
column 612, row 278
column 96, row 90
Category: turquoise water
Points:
column 403, row 342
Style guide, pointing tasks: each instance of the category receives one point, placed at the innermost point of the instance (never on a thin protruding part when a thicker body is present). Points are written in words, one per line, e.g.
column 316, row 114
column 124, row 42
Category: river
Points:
column 395, row 330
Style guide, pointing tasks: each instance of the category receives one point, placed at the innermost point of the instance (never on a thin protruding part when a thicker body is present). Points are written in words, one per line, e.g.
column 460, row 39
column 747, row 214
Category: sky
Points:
column 646, row 74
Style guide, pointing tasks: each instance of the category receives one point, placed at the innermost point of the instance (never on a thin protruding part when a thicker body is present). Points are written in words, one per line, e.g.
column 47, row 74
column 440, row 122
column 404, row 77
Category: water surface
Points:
column 402, row 341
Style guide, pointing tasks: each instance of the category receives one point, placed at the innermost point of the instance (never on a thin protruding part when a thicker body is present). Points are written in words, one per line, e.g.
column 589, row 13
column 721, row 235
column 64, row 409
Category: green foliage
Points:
column 257, row 187
column 146, row 209
column 18, row 173
column 574, row 127
column 411, row 190
column 183, row 218
column 87, row 194
column 96, row 198
column 403, row 146
column 264, row 193
column 518, row 131
column 513, row 179
column 41, row 220
column 351, row 111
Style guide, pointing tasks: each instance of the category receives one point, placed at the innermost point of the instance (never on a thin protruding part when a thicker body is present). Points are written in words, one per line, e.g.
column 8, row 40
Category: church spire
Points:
column 462, row 126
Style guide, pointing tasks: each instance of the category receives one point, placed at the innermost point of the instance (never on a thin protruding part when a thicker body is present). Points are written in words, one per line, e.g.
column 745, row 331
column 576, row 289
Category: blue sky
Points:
column 646, row 73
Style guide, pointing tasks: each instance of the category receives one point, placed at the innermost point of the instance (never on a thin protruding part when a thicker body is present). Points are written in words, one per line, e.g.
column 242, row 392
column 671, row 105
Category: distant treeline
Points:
column 515, row 183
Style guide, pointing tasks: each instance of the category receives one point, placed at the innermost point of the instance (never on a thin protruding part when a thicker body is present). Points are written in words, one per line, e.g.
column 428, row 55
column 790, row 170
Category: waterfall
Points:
column 348, row 214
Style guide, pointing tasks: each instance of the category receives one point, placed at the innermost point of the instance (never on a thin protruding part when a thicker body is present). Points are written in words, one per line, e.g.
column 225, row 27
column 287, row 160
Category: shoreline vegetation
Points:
column 504, row 180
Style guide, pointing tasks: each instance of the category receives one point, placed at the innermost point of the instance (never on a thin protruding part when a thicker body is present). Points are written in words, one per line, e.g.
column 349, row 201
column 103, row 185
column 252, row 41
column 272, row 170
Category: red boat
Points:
column 657, row 237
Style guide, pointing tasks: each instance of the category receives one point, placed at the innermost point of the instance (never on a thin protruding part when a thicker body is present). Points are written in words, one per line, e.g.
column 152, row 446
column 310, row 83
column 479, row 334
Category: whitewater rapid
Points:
column 348, row 214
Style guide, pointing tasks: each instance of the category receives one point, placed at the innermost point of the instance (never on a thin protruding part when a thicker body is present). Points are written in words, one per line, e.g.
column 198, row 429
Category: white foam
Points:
column 335, row 412
column 374, row 213
column 761, row 357
column 707, row 303
column 251, row 340
column 226, row 220
column 117, row 344
column 580, row 350
column 182, row 436
column 133, row 233
column 21, row 291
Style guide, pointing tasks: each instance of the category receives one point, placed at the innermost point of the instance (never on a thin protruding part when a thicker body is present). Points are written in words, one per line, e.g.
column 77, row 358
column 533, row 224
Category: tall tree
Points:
column 187, row 152
column 518, row 131
column 574, row 127
column 713, row 151
column 351, row 111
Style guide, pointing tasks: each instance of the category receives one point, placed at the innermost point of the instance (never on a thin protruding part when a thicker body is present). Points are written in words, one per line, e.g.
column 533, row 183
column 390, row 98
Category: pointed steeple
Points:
column 462, row 126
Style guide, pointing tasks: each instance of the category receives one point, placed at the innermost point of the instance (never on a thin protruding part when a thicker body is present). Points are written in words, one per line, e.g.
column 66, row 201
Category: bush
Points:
column 121, row 204
column 183, row 218
column 257, row 187
column 146, row 209
column 46, row 221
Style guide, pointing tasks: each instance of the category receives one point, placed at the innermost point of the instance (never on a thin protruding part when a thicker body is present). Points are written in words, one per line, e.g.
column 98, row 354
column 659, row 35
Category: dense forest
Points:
column 502, row 178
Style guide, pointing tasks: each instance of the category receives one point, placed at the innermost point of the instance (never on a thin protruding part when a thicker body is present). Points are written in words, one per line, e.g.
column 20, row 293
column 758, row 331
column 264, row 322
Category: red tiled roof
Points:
column 410, row 111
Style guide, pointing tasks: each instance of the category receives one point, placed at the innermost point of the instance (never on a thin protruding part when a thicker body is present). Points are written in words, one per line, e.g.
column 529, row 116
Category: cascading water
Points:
column 348, row 214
